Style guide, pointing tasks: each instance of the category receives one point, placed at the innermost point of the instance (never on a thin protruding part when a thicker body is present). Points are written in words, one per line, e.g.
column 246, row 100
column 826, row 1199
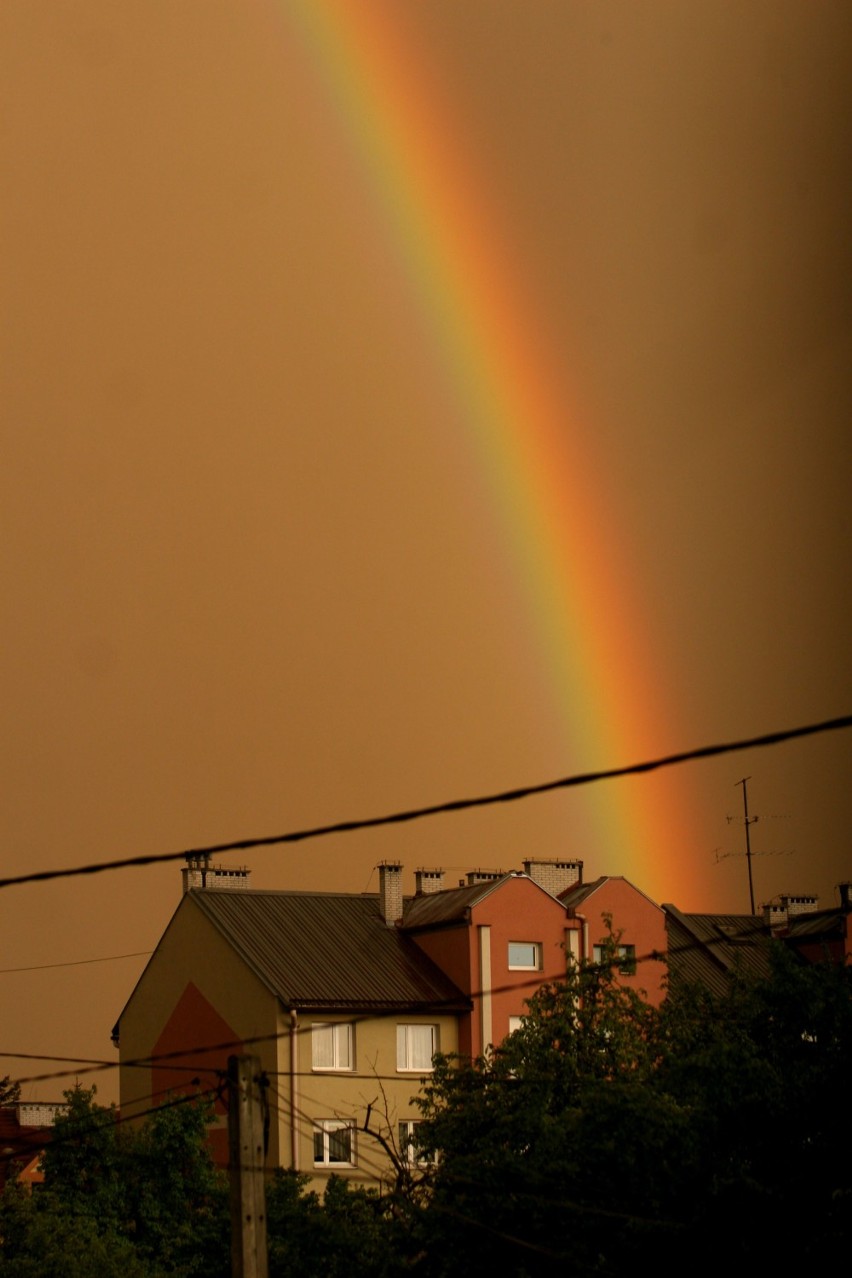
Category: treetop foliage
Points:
column 600, row 1135
column 604, row 1127
column 9, row 1092
column 116, row 1200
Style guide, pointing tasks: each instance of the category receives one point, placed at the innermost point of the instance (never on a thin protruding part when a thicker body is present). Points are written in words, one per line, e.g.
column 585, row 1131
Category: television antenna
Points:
column 748, row 822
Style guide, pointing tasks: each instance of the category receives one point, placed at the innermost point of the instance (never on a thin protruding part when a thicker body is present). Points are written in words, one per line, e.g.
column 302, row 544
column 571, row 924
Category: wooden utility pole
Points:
column 245, row 1167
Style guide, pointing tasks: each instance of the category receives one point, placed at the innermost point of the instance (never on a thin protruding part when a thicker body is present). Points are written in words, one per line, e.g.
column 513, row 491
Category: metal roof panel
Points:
column 326, row 950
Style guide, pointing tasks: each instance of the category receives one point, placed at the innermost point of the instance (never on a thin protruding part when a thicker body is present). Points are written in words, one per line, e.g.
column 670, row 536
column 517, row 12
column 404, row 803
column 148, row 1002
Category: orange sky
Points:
column 251, row 580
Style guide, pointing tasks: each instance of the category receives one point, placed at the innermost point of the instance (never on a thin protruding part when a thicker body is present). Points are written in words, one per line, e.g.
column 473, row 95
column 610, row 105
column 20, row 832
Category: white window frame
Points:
column 623, row 957
column 408, row 1143
column 535, row 966
column 342, row 1046
column 325, row 1128
column 408, row 1061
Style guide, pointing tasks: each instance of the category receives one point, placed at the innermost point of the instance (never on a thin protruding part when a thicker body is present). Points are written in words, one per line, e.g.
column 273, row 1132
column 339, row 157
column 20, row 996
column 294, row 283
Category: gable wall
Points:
column 475, row 956
column 519, row 910
column 641, row 923
column 194, row 988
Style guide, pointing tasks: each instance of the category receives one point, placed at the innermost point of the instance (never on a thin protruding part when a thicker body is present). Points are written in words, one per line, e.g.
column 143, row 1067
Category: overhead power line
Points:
column 437, row 809
column 173, row 1058
column 109, row 958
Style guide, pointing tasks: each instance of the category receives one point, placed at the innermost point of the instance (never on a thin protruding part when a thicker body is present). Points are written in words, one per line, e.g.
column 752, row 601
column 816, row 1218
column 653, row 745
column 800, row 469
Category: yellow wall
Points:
column 374, row 1081
column 193, row 951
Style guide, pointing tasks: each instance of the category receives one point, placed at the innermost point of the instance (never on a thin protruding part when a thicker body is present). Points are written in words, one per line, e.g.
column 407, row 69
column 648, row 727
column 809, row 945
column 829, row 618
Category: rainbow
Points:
column 530, row 450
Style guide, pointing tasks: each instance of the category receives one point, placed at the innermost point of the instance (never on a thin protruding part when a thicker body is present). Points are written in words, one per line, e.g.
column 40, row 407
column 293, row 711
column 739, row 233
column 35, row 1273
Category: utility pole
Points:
column 245, row 1166
column 748, row 822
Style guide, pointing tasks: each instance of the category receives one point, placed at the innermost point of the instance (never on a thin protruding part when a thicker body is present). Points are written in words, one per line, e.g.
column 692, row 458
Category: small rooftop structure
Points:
column 200, row 872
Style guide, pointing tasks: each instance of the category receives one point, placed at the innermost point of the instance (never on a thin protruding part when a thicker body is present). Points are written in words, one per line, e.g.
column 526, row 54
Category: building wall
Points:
column 519, row 911
column 315, row 1096
column 195, row 994
column 475, row 956
column 449, row 949
column 641, row 922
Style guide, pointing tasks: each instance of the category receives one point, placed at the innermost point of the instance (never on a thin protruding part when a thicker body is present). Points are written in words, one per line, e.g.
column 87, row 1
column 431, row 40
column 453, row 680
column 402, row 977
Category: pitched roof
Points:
column 575, row 896
column 318, row 950
column 434, row 909
column 451, row 905
column 711, row 948
column 816, row 924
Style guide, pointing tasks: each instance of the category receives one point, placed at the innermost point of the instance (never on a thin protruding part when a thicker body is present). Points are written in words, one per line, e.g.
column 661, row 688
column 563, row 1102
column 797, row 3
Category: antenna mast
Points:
column 748, row 822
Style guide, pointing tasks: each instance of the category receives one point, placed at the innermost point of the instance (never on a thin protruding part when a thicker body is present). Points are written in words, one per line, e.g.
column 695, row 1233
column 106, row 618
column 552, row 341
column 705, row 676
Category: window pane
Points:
column 343, row 1036
column 340, row 1145
column 421, row 1046
column 408, row 1145
column 333, row 1143
column 331, row 1045
column 523, row 954
column 415, row 1046
column 406, row 1141
column 322, row 1046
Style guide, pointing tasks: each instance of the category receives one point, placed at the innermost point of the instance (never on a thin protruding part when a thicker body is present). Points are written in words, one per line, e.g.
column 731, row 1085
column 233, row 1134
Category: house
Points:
column 345, row 998
column 712, row 948
column 498, row 936
column 817, row 936
column 344, row 1012
column 610, row 909
column 25, row 1128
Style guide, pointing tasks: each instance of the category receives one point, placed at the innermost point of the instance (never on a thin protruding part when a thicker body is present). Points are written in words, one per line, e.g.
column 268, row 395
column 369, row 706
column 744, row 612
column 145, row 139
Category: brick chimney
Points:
column 775, row 914
column 554, row 876
column 778, row 912
column 800, row 905
column 428, row 881
column 390, row 891
column 845, row 890
column 482, row 876
column 200, row 872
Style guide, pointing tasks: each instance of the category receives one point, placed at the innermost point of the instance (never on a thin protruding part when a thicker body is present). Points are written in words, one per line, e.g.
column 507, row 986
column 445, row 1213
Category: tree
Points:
column 349, row 1232
column 10, row 1092
column 119, row 1201
column 604, row 1129
column 764, row 1073
column 528, row 1141
column 83, row 1164
column 177, row 1198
